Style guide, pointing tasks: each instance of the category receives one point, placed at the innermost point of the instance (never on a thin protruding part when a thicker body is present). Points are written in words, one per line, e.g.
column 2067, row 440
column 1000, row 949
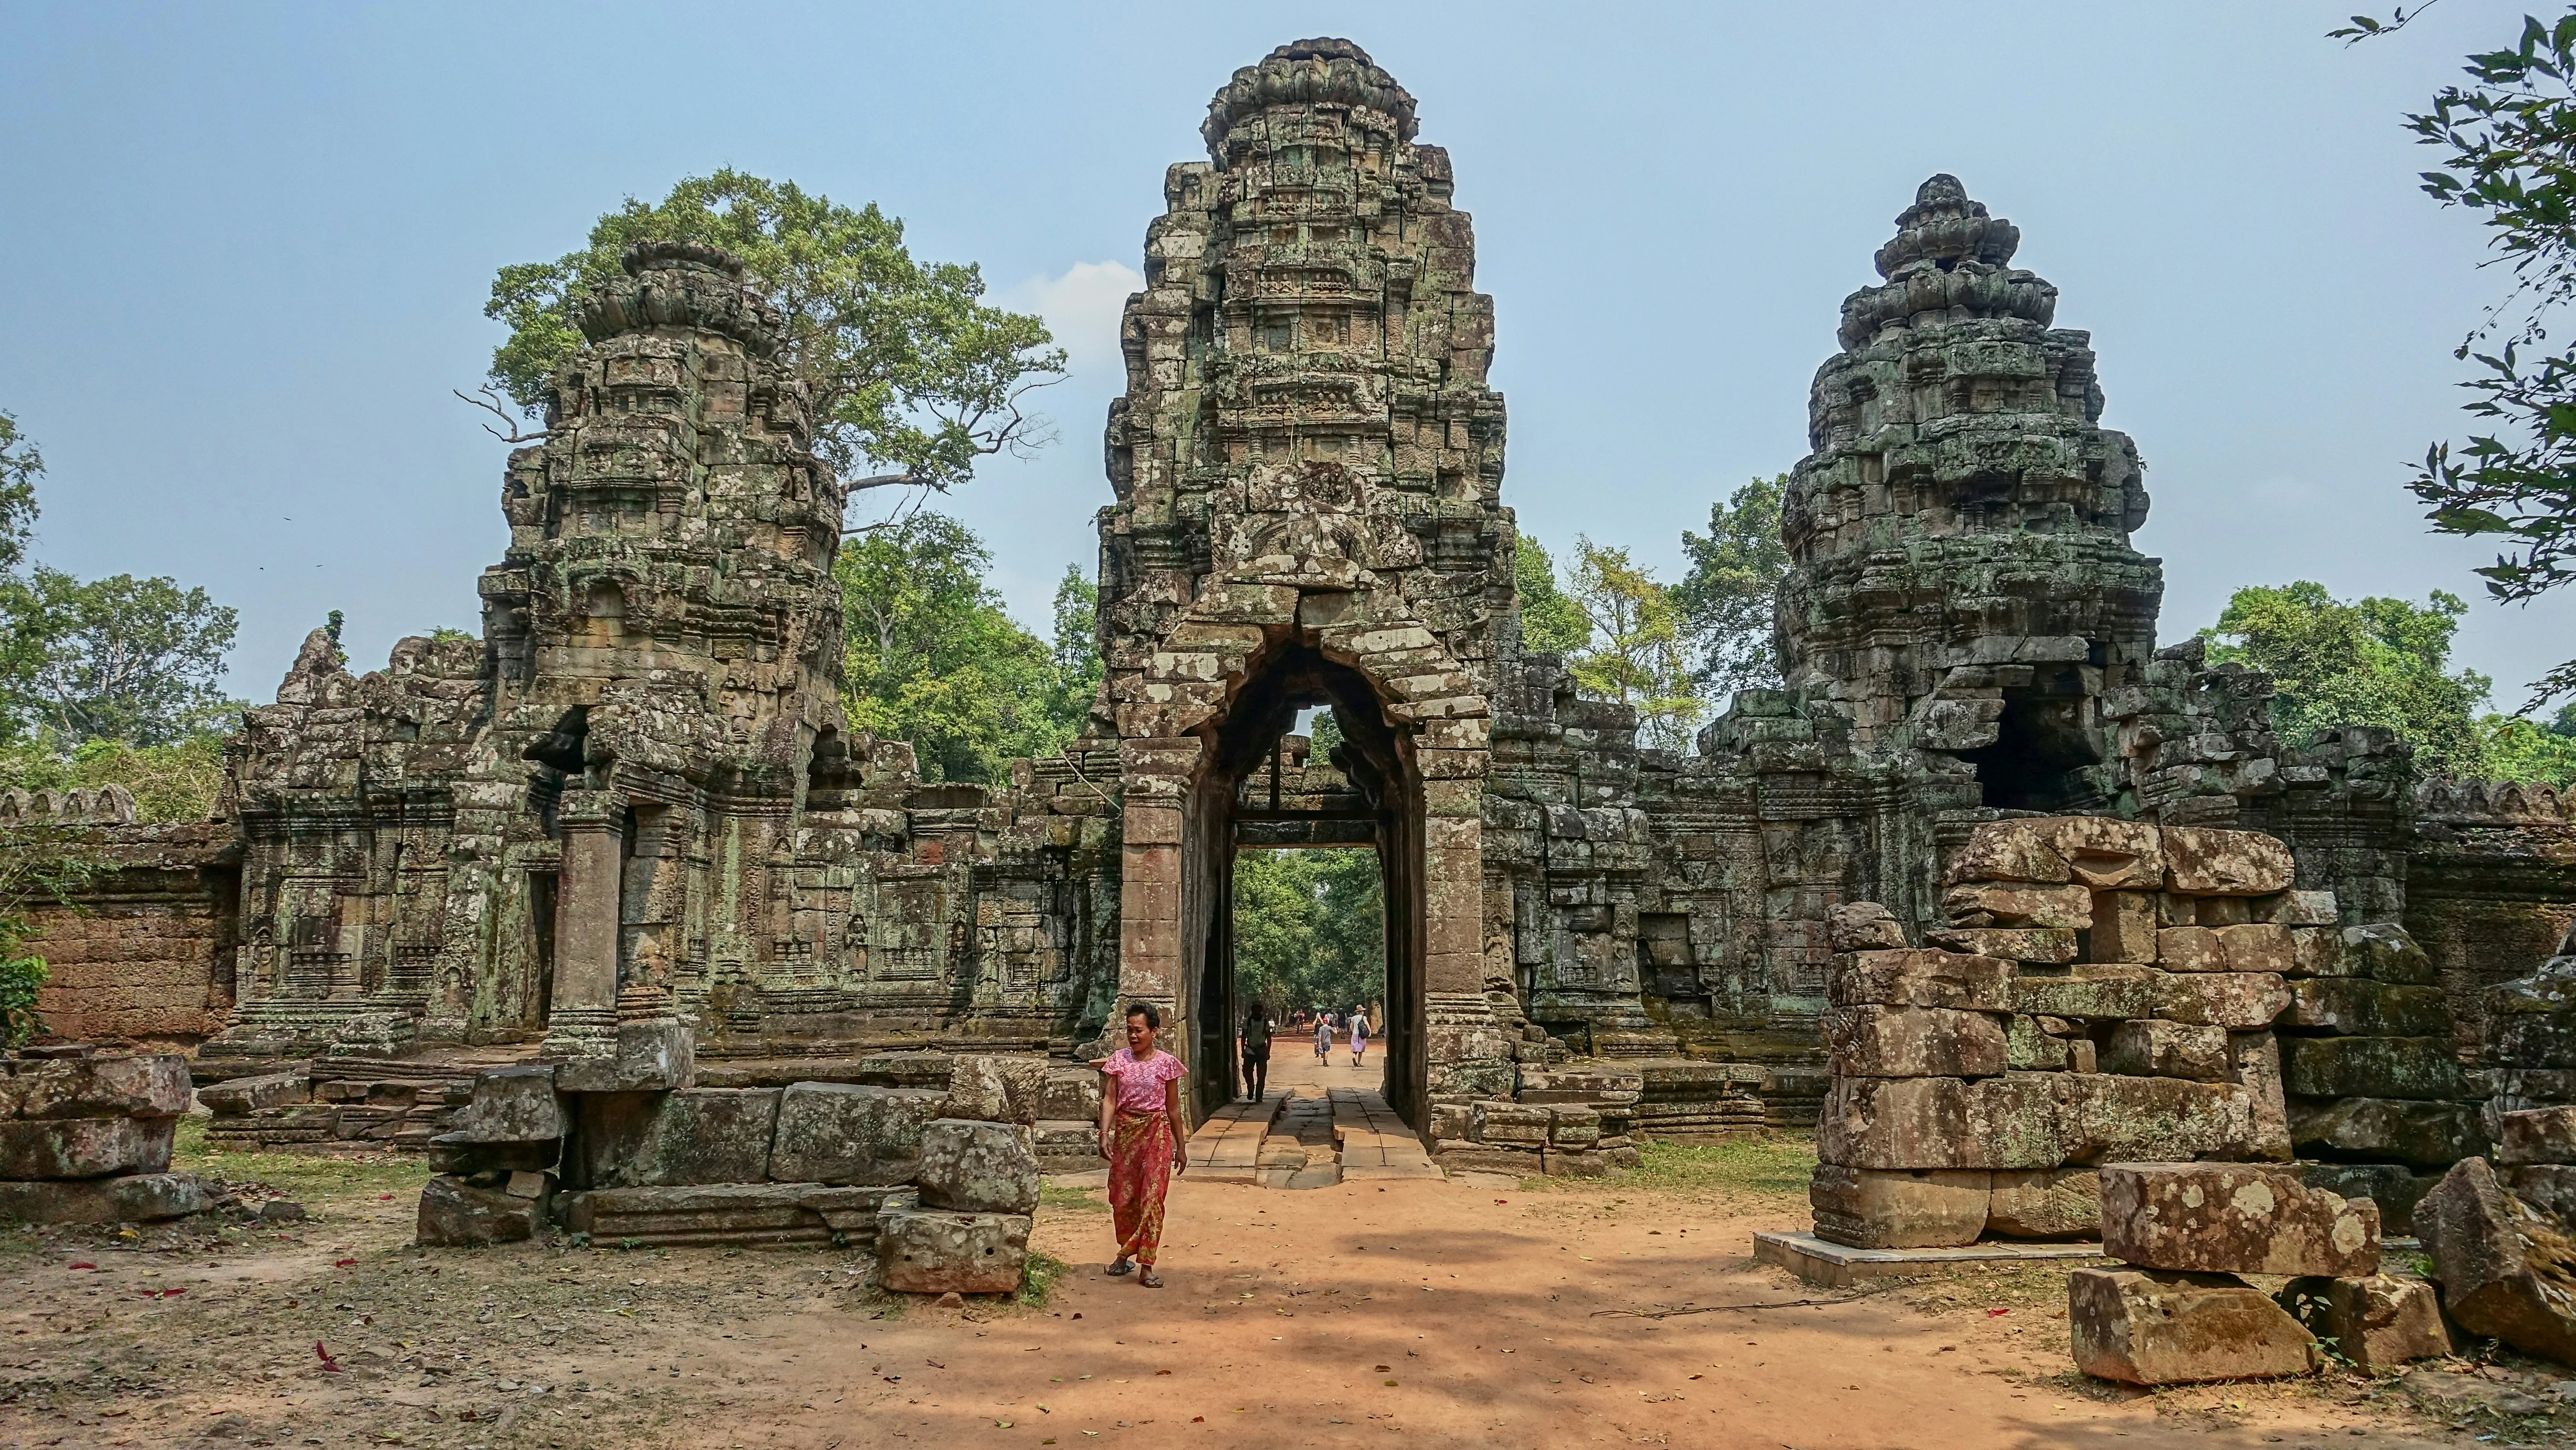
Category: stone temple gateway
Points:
column 629, row 832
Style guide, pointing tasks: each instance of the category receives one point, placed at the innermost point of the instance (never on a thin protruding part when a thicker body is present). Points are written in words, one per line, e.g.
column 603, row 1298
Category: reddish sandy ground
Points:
column 1414, row 1314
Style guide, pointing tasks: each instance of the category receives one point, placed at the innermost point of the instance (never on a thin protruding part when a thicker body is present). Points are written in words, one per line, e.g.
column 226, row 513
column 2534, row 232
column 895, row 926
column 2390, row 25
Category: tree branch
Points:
column 491, row 402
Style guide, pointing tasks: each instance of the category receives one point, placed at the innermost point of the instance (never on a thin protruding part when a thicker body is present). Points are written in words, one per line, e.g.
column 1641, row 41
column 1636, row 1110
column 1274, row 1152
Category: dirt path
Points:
column 1407, row 1313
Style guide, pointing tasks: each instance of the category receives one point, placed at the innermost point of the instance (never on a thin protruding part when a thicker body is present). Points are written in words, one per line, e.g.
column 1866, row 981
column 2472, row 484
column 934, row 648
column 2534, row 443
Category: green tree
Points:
column 911, row 372
column 2373, row 662
column 37, row 867
column 1550, row 624
column 1307, row 928
column 1726, row 594
column 1636, row 654
column 116, row 659
column 932, row 658
column 1076, row 661
column 20, row 466
column 2508, row 139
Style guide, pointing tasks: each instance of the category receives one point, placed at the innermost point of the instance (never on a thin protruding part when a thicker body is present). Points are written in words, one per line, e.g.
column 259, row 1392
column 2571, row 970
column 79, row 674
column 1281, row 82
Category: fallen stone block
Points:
column 136, row 1198
column 512, row 1105
column 2018, row 905
column 2372, row 1067
column 2234, row 1218
column 2238, row 1001
column 978, row 1167
column 2152, row 1327
column 2045, row 1203
column 153, row 1085
column 2503, row 1267
column 997, row 1088
column 1938, row 1122
column 850, row 1133
column 1920, row 978
column 2092, row 992
column 456, row 1214
column 2377, row 1322
column 85, row 1147
column 2427, row 1135
column 2154, row 1048
column 1878, row 1041
column 2204, row 862
column 2254, row 1064
column 672, row 1139
column 1869, row 1208
column 939, row 1251
column 241, row 1096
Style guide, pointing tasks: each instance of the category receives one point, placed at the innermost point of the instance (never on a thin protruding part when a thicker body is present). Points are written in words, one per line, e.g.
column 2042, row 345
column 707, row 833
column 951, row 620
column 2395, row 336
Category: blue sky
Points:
column 248, row 247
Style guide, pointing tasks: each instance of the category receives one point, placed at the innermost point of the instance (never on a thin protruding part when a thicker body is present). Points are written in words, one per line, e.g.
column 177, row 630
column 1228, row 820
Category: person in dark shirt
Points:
column 1256, row 1052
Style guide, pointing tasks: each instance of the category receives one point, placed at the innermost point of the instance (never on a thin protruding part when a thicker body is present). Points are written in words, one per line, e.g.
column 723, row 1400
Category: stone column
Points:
column 582, row 1021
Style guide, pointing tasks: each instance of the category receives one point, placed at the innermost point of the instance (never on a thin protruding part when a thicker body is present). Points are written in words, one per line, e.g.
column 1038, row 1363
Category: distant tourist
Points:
column 1144, row 1139
column 1359, row 1035
column 1257, row 1027
column 1323, row 1037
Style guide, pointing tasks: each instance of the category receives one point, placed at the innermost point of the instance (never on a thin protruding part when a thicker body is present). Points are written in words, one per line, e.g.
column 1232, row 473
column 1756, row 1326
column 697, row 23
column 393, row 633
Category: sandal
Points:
column 1150, row 1279
column 1120, row 1267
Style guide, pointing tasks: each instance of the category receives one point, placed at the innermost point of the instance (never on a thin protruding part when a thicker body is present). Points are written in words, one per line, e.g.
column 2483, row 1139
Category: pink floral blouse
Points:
column 1140, row 1083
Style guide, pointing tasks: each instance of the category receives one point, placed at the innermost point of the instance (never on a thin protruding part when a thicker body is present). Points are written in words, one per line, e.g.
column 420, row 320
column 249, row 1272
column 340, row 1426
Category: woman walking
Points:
column 1144, row 1139
column 1359, row 1035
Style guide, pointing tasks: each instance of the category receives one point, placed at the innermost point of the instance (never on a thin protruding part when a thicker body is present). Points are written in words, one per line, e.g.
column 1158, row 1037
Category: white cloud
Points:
column 1081, row 307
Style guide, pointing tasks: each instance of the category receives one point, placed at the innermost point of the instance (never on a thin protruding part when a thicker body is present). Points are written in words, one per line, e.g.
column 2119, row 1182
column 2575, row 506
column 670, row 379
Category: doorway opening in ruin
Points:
column 2045, row 742
column 1363, row 795
column 1308, row 915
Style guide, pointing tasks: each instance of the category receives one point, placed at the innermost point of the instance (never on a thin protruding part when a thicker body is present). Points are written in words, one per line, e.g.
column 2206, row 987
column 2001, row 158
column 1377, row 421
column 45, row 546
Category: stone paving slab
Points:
column 1837, row 1266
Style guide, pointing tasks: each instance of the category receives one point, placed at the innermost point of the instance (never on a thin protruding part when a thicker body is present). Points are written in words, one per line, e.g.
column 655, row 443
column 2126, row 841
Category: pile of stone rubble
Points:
column 85, row 1137
column 940, row 1181
column 2181, row 1312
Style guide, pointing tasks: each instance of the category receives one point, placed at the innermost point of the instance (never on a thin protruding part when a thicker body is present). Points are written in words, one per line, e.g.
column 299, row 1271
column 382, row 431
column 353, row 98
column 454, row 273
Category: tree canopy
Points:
column 1727, row 590
column 1550, row 624
column 932, row 657
column 912, row 373
column 1634, row 650
column 2384, row 662
column 1307, row 929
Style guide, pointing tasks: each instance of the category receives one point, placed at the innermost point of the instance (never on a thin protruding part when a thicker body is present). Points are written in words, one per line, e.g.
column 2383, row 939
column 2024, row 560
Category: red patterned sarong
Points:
column 1140, row 1173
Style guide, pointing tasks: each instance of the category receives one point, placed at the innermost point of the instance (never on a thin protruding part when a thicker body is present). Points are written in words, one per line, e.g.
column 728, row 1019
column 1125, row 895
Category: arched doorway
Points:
column 1228, row 809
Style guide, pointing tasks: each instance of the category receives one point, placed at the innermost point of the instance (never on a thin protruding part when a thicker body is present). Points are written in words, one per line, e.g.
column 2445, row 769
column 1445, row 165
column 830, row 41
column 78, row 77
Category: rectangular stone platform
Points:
column 1838, row 1266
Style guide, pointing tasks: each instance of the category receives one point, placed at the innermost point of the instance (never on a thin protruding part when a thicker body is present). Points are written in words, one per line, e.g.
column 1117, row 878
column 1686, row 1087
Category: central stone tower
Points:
column 1308, row 466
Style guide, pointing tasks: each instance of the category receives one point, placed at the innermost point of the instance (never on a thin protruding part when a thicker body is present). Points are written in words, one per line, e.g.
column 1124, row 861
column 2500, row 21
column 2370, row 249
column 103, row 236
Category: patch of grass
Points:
column 1766, row 1165
column 1037, row 1279
column 1072, row 1197
column 305, row 1177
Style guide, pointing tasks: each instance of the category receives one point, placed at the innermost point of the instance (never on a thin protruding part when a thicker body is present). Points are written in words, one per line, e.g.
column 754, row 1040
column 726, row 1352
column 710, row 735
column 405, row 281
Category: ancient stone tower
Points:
column 1307, row 464
column 1964, row 587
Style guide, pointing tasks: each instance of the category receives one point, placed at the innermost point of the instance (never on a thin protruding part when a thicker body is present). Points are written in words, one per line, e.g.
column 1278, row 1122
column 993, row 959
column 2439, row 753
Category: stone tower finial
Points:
column 1304, row 74
column 685, row 285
